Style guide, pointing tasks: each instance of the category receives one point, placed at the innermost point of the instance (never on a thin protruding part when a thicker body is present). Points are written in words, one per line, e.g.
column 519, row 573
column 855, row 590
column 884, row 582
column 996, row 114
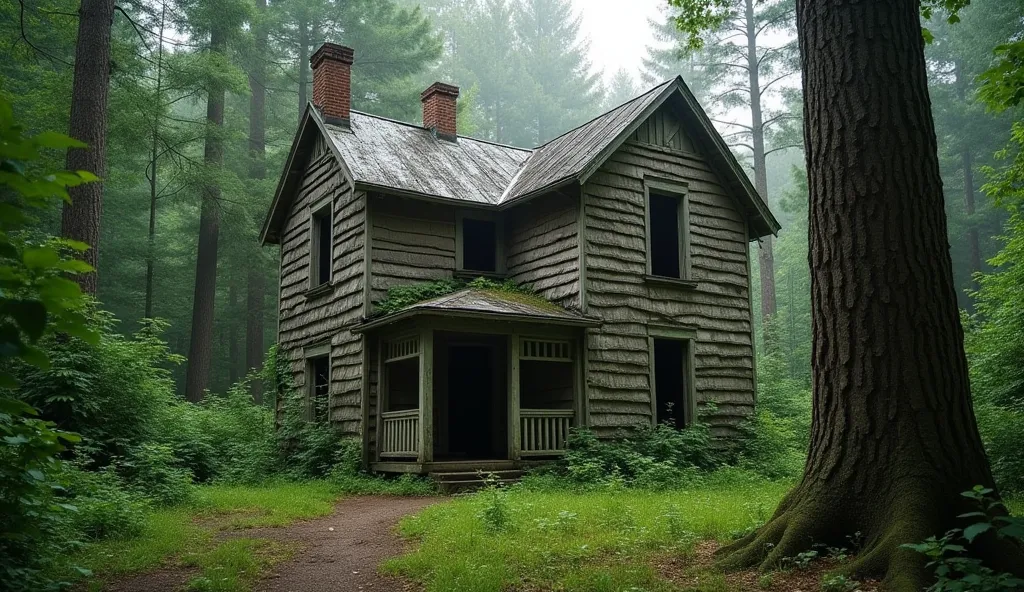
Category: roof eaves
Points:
column 568, row 321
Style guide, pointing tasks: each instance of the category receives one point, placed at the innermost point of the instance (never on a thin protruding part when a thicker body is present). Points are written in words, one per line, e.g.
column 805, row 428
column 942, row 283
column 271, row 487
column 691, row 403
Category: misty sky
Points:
column 618, row 31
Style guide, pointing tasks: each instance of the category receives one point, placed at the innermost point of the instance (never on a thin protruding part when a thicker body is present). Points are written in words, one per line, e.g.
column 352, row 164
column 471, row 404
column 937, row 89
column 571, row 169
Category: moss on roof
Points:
column 402, row 297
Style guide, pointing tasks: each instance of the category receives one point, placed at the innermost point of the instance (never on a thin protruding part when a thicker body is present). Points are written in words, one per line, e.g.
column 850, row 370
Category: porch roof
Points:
column 488, row 305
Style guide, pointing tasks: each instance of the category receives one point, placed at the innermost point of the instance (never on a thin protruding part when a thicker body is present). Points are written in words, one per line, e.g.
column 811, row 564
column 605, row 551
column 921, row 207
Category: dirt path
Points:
column 336, row 553
column 344, row 559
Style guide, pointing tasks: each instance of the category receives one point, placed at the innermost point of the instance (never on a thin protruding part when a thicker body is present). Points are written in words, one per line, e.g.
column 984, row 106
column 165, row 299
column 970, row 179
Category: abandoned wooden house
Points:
column 632, row 230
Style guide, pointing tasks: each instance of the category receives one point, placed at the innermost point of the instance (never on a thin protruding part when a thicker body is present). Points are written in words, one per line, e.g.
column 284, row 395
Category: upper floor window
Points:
column 320, row 247
column 667, row 217
column 478, row 245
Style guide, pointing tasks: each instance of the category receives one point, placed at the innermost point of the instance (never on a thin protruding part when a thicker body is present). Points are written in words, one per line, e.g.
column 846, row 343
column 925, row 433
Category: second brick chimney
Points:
column 439, row 109
column 332, row 82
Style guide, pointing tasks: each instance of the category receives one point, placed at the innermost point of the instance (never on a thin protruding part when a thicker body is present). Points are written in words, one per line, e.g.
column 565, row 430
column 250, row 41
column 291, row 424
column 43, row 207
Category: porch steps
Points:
column 461, row 481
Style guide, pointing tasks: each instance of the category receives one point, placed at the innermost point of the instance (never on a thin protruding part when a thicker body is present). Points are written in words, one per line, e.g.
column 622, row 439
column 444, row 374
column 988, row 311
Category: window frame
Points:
column 317, row 216
column 309, row 355
column 499, row 244
column 689, row 338
column 680, row 191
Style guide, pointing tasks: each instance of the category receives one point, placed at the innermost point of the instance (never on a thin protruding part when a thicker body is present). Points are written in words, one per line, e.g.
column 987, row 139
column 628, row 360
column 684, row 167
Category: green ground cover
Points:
column 187, row 535
column 603, row 539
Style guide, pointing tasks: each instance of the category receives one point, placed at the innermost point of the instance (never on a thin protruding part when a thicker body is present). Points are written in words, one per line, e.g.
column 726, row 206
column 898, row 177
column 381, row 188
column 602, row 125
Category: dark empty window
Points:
column 479, row 245
column 670, row 381
column 666, row 243
column 320, row 250
column 320, row 388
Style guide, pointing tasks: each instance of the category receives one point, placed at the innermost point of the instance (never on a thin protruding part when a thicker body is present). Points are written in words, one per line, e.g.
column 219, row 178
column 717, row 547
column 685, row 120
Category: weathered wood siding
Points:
column 305, row 321
column 718, row 308
column 413, row 242
column 542, row 247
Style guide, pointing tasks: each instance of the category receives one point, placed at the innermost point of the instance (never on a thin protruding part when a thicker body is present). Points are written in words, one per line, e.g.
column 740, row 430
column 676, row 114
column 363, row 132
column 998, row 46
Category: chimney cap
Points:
column 440, row 88
column 331, row 51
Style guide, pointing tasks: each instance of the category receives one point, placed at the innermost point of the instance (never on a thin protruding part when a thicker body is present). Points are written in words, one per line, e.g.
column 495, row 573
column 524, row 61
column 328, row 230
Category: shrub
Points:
column 104, row 507
column 653, row 458
column 111, row 392
column 152, row 471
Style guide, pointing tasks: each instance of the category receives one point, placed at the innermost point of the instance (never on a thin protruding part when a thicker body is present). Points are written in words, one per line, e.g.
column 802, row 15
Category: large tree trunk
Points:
column 201, row 345
column 894, row 439
column 255, row 282
column 80, row 219
column 766, row 257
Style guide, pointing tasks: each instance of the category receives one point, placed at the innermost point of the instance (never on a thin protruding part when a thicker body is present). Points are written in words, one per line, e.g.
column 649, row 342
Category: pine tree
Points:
column 621, row 88
column 566, row 91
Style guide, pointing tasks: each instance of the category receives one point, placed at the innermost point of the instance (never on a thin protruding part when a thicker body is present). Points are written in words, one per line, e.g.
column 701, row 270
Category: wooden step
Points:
column 475, row 475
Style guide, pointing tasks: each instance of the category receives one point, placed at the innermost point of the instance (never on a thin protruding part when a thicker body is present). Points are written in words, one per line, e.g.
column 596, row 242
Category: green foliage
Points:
column 838, row 583
column 660, row 457
column 151, row 469
column 105, row 506
column 955, row 570
column 35, row 300
column 495, row 513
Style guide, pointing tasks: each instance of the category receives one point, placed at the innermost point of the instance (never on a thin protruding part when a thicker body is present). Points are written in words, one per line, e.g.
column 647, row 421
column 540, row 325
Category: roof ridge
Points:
column 421, row 128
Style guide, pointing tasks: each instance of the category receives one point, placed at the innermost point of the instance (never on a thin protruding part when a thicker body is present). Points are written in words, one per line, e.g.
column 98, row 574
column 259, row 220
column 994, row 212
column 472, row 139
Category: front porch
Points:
column 452, row 394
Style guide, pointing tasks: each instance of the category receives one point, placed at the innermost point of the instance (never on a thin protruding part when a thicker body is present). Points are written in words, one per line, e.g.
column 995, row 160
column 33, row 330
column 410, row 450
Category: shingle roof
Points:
column 396, row 155
column 489, row 304
column 567, row 155
column 389, row 155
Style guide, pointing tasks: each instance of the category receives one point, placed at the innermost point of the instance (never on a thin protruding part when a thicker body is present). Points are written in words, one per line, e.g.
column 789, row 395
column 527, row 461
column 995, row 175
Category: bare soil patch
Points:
column 336, row 553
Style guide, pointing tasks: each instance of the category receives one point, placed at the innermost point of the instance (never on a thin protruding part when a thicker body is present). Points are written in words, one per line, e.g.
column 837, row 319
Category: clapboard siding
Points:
column 541, row 247
column 305, row 321
column 412, row 242
column 618, row 355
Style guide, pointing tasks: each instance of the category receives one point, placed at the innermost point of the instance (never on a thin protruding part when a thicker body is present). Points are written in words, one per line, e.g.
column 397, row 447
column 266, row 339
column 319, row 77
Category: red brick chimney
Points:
column 332, row 82
column 439, row 109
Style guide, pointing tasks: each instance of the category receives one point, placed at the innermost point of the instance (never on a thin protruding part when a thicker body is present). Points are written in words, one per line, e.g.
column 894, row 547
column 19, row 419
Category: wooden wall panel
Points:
column 327, row 317
column 542, row 247
column 617, row 292
column 413, row 242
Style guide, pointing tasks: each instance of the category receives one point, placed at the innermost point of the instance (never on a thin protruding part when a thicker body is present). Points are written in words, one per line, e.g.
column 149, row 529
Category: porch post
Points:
column 514, row 436
column 426, row 435
column 382, row 398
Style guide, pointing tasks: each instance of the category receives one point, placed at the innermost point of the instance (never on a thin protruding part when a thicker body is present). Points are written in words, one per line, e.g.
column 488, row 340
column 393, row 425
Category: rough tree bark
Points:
column 255, row 281
column 894, row 439
column 80, row 219
column 200, row 349
column 765, row 257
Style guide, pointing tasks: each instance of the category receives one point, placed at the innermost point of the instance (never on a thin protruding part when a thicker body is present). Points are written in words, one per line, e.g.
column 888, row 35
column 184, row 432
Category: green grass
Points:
column 235, row 565
column 593, row 541
column 274, row 505
column 1015, row 504
column 187, row 533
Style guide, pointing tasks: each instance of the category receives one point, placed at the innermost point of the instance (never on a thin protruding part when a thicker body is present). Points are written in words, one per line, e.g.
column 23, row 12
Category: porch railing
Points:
column 401, row 437
column 544, row 431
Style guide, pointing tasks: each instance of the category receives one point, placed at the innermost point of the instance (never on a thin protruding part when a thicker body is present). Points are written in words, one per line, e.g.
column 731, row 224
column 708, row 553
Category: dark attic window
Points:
column 320, row 248
column 666, row 242
column 479, row 245
column 320, row 388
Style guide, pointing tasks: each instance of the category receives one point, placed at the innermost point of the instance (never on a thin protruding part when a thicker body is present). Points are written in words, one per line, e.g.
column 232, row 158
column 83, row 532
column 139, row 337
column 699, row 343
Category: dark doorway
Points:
column 470, row 402
column 670, row 381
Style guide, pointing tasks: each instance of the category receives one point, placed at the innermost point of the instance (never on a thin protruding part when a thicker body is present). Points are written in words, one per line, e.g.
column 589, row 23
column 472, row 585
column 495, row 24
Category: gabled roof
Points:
column 395, row 155
column 486, row 304
column 382, row 154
